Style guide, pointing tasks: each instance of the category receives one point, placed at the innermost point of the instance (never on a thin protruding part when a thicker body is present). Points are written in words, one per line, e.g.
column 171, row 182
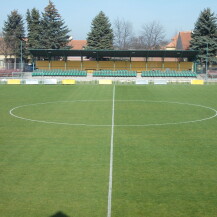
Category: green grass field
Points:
column 56, row 156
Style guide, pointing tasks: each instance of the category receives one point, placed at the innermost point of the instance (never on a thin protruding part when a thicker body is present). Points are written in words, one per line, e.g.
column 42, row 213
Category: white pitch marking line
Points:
column 108, row 125
column 111, row 157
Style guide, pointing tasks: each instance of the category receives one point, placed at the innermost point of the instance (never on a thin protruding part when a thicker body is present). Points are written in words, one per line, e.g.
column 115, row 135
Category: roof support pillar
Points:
column 33, row 65
column 179, row 60
column 194, row 67
column 179, row 66
column 65, row 62
column 65, row 65
column 81, row 62
column 146, row 63
column 49, row 59
column 97, row 61
column 97, row 65
column 114, row 64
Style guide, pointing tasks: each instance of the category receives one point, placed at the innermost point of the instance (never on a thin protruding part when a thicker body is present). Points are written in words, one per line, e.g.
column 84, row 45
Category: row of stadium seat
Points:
column 110, row 73
column 56, row 70
column 119, row 73
column 158, row 73
column 59, row 73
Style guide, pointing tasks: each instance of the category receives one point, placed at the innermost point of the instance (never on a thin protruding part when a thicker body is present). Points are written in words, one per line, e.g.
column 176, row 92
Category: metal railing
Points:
column 17, row 67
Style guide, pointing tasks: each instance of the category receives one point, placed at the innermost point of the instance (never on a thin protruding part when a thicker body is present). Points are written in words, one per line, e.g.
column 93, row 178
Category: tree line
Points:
column 47, row 30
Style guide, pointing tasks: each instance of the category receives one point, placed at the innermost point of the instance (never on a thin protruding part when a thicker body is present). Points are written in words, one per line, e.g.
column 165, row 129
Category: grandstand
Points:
column 115, row 63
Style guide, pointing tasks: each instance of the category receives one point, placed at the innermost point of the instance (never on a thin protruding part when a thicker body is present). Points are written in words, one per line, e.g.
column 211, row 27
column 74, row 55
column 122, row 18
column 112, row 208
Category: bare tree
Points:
column 137, row 43
column 5, row 48
column 153, row 35
column 122, row 34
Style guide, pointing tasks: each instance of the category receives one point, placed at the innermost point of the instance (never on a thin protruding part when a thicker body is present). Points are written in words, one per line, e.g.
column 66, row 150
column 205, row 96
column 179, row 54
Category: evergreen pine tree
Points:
column 101, row 34
column 34, row 29
column 55, row 33
column 14, row 33
column 205, row 36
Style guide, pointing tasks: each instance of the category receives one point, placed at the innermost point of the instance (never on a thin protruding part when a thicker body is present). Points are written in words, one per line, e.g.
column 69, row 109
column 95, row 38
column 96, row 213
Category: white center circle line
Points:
column 11, row 112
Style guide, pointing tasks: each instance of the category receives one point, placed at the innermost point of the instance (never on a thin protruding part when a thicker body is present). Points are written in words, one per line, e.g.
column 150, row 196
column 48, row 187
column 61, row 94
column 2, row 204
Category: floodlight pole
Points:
column 21, row 54
column 206, row 60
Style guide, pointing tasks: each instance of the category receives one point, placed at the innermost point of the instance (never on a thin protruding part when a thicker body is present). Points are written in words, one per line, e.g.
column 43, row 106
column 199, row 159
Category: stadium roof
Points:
column 48, row 53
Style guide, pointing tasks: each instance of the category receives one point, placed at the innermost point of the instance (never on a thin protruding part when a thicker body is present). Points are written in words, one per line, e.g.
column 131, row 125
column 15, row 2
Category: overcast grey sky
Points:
column 173, row 15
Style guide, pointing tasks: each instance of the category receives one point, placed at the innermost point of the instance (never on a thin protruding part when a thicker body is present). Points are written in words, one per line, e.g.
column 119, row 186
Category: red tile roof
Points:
column 181, row 41
column 185, row 38
column 78, row 44
column 172, row 44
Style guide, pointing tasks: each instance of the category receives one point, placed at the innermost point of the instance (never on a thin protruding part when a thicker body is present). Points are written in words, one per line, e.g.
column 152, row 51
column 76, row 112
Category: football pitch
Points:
column 108, row 151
